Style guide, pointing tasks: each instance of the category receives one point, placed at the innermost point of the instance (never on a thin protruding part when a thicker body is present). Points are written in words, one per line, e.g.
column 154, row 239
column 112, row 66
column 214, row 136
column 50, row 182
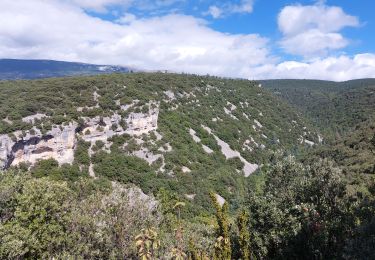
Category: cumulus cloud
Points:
column 313, row 30
column 339, row 68
column 62, row 30
column 57, row 30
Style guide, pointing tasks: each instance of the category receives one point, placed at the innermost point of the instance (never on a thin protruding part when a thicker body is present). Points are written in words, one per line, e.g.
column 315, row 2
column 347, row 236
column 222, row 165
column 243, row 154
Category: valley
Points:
column 176, row 138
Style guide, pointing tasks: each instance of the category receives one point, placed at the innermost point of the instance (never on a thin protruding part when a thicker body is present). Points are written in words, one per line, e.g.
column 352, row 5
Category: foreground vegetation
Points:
column 295, row 211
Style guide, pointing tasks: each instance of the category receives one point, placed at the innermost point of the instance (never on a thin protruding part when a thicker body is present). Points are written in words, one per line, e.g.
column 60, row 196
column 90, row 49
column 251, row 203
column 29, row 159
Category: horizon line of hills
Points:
column 19, row 69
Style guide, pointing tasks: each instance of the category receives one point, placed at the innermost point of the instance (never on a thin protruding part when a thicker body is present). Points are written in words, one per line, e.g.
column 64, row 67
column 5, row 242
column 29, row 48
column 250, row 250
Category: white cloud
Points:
column 313, row 30
column 228, row 8
column 126, row 18
column 313, row 42
column 56, row 30
column 99, row 5
column 63, row 31
column 339, row 68
column 215, row 11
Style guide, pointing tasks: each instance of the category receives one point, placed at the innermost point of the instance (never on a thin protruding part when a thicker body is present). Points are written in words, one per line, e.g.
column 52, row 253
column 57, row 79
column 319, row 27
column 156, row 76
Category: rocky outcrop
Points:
column 59, row 144
column 6, row 144
column 31, row 119
column 141, row 123
column 248, row 168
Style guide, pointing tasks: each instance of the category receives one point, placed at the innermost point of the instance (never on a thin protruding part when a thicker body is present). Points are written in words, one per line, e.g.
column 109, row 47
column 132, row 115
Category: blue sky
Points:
column 253, row 39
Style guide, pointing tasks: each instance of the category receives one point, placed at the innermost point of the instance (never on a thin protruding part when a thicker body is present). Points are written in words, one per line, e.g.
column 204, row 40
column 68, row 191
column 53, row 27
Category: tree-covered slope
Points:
column 189, row 134
column 335, row 107
column 130, row 166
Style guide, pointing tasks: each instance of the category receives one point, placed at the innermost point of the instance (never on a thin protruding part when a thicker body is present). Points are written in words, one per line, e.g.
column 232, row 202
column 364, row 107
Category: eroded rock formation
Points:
column 60, row 142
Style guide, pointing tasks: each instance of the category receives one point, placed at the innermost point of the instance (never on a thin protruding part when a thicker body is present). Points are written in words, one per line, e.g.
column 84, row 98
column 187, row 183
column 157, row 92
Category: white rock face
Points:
column 58, row 144
column 91, row 171
column 165, row 148
column 190, row 196
column 309, row 142
column 207, row 149
column 101, row 133
column 232, row 107
column 246, row 146
column 229, row 113
column 198, row 140
column 248, row 168
column 6, row 145
column 185, row 169
column 258, row 124
column 170, row 95
column 220, row 200
column 193, row 134
column 147, row 155
column 139, row 123
column 135, row 196
column 31, row 119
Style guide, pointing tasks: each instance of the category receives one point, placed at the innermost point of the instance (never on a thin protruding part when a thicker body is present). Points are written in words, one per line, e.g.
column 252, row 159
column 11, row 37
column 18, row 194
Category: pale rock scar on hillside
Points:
column 248, row 168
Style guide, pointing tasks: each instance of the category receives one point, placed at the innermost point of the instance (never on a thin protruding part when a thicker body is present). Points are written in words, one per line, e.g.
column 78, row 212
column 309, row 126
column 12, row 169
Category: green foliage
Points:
column 81, row 154
column 38, row 228
column 199, row 100
column 223, row 249
column 46, row 219
column 354, row 152
column 304, row 212
column 362, row 244
column 335, row 107
column 50, row 168
column 308, row 210
column 244, row 235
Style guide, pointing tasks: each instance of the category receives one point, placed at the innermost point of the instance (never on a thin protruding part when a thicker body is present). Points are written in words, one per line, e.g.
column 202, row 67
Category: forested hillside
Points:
column 171, row 166
column 335, row 107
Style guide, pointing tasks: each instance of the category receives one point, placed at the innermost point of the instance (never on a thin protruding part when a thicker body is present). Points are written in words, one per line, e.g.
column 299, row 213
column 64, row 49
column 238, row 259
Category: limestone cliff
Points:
column 59, row 143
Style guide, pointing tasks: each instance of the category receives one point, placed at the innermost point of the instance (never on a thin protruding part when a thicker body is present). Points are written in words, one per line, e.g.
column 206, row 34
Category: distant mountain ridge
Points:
column 11, row 69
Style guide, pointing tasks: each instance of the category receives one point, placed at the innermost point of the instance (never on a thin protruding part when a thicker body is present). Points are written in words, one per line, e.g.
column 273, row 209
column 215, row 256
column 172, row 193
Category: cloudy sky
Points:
column 254, row 39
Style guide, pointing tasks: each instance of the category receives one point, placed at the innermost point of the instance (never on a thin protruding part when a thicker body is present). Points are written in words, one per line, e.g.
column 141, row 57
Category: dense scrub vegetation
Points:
column 301, row 212
column 303, row 202
column 199, row 100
